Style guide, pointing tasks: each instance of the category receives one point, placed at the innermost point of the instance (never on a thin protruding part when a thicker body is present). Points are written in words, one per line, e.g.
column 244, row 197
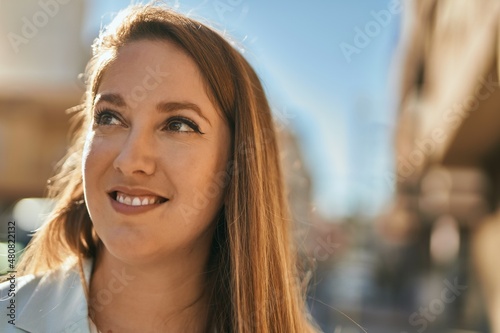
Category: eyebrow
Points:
column 163, row 107
column 114, row 99
column 174, row 106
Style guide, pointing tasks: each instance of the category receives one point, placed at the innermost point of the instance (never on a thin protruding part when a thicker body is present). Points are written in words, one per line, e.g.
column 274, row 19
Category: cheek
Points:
column 96, row 159
column 87, row 157
column 90, row 158
column 200, row 181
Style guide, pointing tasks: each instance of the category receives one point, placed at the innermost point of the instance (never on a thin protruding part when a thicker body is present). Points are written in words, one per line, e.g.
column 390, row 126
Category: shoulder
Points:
column 52, row 302
column 14, row 294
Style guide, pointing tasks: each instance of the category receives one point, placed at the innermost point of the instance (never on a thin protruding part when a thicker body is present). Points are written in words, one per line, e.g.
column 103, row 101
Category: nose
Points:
column 137, row 156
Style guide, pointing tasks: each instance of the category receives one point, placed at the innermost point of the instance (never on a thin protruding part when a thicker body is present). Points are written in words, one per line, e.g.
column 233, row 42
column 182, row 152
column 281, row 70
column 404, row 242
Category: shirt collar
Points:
column 58, row 304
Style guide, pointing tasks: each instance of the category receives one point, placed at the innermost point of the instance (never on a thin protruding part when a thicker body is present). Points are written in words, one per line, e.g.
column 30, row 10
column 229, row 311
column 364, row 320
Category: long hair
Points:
column 254, row 282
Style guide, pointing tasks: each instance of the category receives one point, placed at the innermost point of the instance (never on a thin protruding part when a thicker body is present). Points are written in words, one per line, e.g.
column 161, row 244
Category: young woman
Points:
column 170, row 214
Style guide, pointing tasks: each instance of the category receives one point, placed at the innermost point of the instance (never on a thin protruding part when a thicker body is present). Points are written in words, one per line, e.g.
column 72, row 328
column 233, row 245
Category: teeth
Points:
column 119, row 198
column 136, row 201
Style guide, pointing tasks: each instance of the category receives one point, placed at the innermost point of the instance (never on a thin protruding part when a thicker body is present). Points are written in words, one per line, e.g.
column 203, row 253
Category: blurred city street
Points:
column 389, row 126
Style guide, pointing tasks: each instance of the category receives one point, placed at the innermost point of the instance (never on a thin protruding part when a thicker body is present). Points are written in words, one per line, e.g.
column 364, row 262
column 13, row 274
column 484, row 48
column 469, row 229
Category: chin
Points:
column 127, row 245
column 131, row 255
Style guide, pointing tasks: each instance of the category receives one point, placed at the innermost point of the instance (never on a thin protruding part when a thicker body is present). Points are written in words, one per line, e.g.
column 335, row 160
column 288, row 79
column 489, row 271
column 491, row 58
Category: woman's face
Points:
column 155, row 155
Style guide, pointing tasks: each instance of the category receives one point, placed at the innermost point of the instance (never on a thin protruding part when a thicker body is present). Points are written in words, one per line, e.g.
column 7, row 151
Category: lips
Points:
column 136, row 200
column 133, row 201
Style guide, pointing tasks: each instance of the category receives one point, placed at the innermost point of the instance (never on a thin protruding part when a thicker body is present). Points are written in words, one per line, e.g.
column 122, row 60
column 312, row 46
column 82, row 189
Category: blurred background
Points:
column 390, row 131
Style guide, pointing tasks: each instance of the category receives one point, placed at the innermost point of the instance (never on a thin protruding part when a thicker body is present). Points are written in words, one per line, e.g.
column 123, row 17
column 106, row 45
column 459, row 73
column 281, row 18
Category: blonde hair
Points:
column 254, row 280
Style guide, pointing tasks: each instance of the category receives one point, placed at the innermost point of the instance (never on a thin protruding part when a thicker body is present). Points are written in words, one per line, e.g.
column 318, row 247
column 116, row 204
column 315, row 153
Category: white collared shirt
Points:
column 51, row 303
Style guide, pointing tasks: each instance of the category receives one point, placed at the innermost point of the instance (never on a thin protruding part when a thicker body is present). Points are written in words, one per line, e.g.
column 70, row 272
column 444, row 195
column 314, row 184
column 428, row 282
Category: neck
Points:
column 155, row 297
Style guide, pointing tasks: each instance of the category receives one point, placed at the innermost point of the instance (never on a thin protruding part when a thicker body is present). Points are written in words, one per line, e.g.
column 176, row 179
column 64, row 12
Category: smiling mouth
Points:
column 136, row 200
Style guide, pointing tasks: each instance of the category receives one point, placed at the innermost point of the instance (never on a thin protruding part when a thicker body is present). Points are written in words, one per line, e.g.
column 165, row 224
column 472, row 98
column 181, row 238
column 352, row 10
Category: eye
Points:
column 106, row 118
column 182, row 125
column 178, row 126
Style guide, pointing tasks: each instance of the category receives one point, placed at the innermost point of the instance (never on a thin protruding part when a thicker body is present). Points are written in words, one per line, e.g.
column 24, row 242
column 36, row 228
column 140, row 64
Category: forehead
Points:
column 153, row 70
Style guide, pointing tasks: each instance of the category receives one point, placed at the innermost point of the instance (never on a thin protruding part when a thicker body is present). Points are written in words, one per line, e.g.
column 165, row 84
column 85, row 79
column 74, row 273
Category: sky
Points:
column 328, row 68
